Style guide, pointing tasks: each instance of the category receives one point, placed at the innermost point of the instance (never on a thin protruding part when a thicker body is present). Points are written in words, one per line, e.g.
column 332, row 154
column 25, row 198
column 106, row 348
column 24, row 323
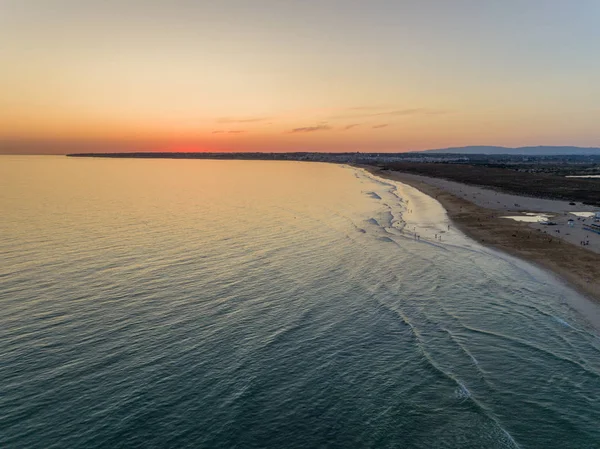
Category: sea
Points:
column 154, row 303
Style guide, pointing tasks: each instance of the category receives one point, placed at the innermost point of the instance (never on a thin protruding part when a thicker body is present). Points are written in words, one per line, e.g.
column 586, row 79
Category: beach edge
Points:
column 576, row 267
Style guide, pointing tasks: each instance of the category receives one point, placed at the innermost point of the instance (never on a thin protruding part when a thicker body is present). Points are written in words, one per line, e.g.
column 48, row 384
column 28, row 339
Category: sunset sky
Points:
column 292, row 75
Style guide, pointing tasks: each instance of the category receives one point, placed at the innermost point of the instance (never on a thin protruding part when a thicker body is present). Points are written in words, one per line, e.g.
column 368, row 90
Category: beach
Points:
column 479, row 212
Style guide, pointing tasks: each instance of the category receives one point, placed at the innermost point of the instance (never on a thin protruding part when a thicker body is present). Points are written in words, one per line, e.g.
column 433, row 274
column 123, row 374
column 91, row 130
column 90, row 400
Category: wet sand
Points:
column 477, row 212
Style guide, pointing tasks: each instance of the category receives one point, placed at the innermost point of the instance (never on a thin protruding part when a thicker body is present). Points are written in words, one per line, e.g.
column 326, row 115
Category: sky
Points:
column 297, row 75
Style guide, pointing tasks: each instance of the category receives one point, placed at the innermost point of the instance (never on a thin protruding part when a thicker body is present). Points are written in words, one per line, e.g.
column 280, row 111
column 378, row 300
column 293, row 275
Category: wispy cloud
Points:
column 242, row 120
column 400, row 112
column 417, row 111
column 381, row 126
column 310, row 129
column 353, row 125
column 438, row 112
column 368, row 108
column 366, row 112
column 235, row 131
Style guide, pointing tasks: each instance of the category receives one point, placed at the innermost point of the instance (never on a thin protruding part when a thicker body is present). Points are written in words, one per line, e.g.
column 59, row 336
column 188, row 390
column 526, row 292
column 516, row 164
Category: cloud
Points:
column 437, row 112
column 367, row 108
column 242, row 120
column 380, row 126
column 235, row 131
column 416, row 111
column 353, row 125
column 310, row 129
column 399, row 112
column 389, row 113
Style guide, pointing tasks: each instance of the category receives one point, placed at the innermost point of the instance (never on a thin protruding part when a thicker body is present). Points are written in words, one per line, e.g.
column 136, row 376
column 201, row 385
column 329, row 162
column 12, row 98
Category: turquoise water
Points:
column 222, row 304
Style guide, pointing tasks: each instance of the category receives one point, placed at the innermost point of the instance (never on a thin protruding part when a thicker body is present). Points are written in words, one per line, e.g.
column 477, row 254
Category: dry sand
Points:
column 558, row 211
column 477, row 212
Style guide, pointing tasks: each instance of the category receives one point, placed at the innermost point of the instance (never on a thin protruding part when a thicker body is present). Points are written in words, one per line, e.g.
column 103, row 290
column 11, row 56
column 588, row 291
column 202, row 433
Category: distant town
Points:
column 573, row 162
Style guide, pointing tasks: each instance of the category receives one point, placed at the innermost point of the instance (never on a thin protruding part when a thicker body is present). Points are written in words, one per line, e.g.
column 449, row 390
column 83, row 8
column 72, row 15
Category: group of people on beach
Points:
column 436, row 236
column 418, row 237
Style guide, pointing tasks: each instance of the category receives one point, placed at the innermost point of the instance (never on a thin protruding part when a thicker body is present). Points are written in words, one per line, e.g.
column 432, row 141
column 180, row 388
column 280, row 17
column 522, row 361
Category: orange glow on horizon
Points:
column 185, row 148
column 385, row 78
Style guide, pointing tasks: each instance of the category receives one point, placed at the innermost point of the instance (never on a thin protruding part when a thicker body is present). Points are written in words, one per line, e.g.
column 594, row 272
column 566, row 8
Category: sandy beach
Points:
column 479, row 213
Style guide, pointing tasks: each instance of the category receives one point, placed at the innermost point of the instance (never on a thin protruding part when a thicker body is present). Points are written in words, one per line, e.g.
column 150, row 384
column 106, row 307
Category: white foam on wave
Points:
column 414, row 215
column 563, row 322
column 462, row 392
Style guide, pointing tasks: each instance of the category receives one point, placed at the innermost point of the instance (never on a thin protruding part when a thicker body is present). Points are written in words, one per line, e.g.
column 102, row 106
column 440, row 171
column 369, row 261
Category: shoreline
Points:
column 577, row 267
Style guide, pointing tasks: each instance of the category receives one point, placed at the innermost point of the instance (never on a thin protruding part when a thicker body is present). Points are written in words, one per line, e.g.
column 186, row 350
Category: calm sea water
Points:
column 230, row 304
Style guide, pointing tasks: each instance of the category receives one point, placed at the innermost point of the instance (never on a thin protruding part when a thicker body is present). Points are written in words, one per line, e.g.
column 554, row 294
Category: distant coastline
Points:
column 446, row 154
